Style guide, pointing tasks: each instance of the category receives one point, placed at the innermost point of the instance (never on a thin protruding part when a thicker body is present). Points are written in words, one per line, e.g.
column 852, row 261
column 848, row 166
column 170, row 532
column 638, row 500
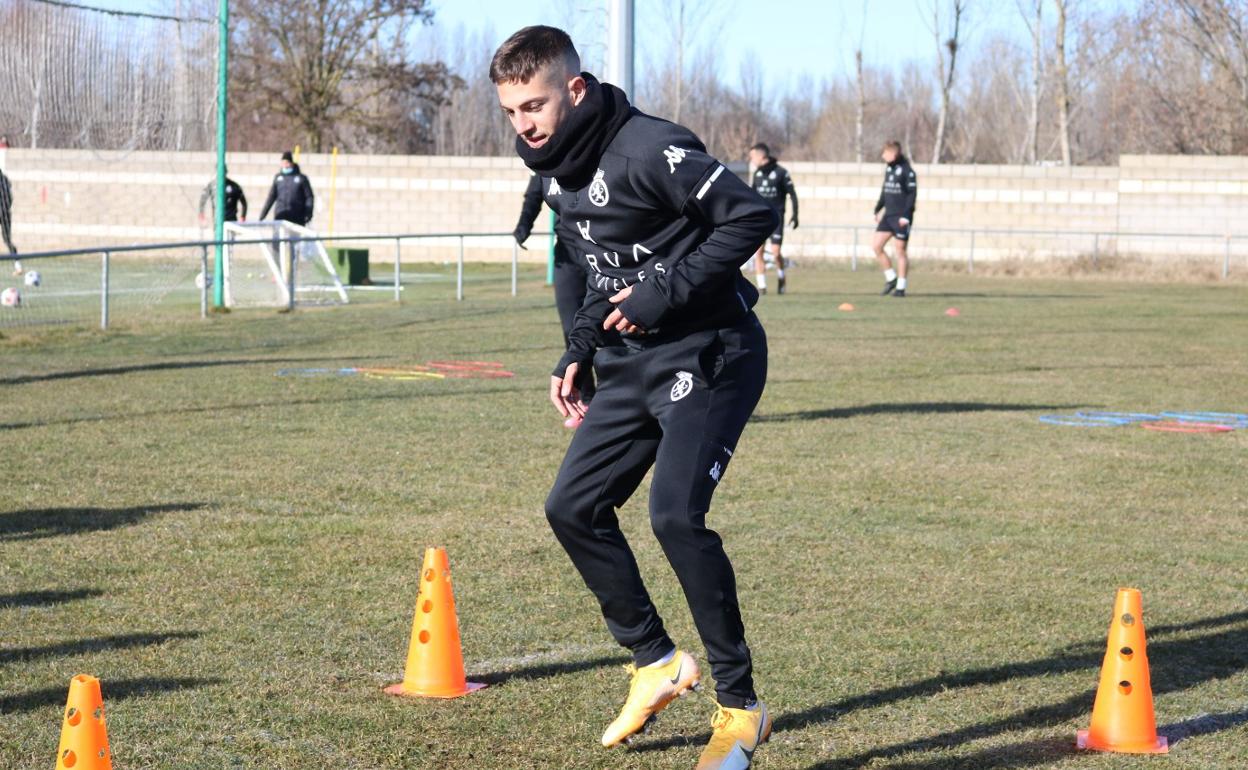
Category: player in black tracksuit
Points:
column 681, row 359
column 235, row 200
column 290, row 197
column 6, row 215
column 894, row 213
column 774, row 185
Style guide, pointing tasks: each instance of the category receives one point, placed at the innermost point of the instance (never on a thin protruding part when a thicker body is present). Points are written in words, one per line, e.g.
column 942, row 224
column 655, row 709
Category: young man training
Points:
column 772, row 182
column 894, row 213
column 681, row 359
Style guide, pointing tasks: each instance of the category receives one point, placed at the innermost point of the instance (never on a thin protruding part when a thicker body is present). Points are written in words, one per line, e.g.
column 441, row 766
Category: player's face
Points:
column 539, row 107
column 889, row 155
column 757, row 158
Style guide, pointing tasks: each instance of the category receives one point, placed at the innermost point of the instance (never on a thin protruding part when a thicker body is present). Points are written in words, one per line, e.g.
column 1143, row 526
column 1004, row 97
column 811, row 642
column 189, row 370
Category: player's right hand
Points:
column 521, row 234
column 878, row 216
column 564, row 393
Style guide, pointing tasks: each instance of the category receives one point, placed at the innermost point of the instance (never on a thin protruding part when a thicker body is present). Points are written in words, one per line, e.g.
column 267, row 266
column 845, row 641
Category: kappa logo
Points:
column 674, row 155
column 584, row 228
column 683, row 386
column 717, row 470
column 598, row 192
column 555, row 189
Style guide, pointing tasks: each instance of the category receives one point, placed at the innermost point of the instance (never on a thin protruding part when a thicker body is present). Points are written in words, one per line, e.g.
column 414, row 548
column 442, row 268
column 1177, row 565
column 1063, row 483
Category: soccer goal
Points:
column 277, row 272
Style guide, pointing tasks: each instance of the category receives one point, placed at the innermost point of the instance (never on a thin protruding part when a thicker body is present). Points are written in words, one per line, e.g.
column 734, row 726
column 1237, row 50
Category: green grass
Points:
column 926, row 571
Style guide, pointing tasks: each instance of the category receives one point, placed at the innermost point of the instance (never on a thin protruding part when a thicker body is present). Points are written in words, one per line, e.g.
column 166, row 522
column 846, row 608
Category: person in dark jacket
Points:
column 235, row 201
column 667, row 323
column 894, row 213
column 570, row 277
column 290, row 197
column 772, row 182
column 6, row 213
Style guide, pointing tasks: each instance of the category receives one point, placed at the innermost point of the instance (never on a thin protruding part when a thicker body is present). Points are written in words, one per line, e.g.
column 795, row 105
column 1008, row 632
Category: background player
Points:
column 772, row 182
column 894, row 213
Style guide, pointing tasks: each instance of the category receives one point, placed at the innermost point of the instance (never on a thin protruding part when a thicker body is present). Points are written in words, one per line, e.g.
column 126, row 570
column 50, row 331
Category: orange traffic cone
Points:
column 435, row 662
column 84, row 741
column 1122, row 717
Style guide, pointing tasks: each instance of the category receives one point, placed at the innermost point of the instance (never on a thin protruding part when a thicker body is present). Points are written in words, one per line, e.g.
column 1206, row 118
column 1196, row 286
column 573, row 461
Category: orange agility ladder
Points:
column 1122, row 716
column 435, row 662
column 84, row 741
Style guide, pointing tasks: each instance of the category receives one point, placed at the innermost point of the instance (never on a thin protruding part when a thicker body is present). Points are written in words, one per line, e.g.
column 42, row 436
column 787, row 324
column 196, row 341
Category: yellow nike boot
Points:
column 737, row 734
column 652, row 688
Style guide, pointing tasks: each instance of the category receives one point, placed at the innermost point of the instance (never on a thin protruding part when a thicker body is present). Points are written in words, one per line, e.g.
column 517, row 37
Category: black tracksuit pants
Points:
column 679, row 406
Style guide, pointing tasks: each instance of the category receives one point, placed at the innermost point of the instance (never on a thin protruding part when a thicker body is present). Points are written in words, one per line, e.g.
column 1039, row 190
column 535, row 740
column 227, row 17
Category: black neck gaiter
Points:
column 573, row 152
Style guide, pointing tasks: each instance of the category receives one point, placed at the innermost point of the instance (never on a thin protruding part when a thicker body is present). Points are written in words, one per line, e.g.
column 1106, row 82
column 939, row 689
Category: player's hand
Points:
column 203, row 220
column 793, row 221
column 242, row 218
column 903, row 222
column 565, row 395
column 878, row 216
column 521, row 234
column 616, row 319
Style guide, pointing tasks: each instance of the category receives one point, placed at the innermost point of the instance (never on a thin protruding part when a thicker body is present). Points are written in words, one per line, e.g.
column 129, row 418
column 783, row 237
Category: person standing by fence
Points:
column 6, row 218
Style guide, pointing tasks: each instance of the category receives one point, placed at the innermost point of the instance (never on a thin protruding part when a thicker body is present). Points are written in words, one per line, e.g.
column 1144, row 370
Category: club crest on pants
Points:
column 683, row 386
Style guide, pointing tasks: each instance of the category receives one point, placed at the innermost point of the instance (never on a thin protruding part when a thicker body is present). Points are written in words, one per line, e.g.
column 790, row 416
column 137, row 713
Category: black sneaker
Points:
column 780, row 285
column 900, row 294
column 889, row 286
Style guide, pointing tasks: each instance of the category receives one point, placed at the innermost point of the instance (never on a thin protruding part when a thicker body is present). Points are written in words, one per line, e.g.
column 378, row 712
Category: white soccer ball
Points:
column 33, row 278
column 202, row 282
column 10, row 297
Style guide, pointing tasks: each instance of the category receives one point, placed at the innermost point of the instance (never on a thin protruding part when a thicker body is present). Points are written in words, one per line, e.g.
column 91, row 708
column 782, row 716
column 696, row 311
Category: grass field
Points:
column 926, row 570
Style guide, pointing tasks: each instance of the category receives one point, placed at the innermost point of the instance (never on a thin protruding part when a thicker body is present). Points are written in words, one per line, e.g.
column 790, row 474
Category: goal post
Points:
column 279, row 270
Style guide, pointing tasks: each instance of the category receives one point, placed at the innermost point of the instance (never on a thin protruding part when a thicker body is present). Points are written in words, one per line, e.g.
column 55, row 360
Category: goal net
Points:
column 265, row 265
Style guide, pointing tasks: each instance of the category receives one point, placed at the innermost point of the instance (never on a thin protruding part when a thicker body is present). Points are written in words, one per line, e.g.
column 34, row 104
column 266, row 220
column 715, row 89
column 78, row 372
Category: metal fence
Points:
column 153, row 272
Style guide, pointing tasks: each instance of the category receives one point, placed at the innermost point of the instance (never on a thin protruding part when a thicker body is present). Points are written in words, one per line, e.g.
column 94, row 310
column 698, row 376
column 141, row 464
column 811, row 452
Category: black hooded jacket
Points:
column 652, row 210
column 900, row 189
column 290, row 197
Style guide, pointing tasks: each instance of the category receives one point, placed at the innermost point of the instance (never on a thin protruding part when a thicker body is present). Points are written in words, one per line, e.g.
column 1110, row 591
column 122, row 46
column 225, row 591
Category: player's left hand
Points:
column 616, row 319
column 793, row 222
column 903, row 222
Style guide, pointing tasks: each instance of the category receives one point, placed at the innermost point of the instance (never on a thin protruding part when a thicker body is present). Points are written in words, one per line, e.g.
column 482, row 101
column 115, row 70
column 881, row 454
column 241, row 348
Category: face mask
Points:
column 288, row 171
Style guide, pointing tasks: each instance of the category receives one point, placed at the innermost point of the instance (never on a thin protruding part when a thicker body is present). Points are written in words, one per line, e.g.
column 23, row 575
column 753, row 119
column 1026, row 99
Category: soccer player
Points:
column 6, row 219
column 235, row 201
column 894, row 213
column 291, row 194
column 570, row 277
column 773, row 184
column 681, row 360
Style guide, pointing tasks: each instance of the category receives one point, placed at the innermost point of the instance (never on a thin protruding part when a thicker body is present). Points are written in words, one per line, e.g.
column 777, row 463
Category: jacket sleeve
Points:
column 531, row 208
column 242, row 202
column 204, row 198
column 880, row 203
column 736, row 219
column 911, row 188
column 792, row 191
column 309, row 200
column 268, row 202
column 585, row 336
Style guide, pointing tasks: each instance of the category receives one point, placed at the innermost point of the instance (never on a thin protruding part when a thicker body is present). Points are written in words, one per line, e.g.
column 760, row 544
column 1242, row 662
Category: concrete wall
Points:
column 76, row 198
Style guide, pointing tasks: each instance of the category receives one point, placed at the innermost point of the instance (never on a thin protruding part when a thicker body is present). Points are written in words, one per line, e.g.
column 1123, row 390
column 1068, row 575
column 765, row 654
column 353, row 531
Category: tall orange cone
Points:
column 84, row 741
column 435, row 662
column 1122, row 716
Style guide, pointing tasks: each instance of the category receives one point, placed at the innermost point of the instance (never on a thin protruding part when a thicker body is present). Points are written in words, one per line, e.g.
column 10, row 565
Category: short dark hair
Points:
column 763, row 148
column 893, row 144
column 529, row 51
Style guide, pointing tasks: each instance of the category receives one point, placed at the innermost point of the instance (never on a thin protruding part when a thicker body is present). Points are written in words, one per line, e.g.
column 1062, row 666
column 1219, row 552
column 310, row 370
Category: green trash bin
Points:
column 351, row 265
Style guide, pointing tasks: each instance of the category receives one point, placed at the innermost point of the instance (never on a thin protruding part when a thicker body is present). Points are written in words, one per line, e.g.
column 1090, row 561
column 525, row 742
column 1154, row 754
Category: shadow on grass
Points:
column 921, row 407
column 46, row 598
column 110, row 371
column 1176, row 664
column 113, row 691
column 545, row 670
column 216, row 408
column 96, row 644
column 53, row 522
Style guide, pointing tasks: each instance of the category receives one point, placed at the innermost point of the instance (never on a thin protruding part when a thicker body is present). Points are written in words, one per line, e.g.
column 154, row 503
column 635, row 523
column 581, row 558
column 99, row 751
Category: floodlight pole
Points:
column 620, row 46
column 223, row 62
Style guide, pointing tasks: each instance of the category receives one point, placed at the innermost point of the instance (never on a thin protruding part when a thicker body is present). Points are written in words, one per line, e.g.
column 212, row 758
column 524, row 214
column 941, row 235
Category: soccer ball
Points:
column 33, row 278
column 202, row 282
column 10, row 297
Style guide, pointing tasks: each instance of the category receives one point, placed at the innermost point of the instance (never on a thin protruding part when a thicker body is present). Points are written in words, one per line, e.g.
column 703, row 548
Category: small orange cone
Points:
column 845, row 306
column 84, row 741
column 435, row 662
column 953, row 312
column 1122, row 716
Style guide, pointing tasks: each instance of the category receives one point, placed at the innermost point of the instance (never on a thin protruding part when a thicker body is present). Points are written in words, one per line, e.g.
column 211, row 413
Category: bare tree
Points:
column 1062, row 77
column 860, row 115
column 1036, row 29
column 1217, row 30
column 946, row 67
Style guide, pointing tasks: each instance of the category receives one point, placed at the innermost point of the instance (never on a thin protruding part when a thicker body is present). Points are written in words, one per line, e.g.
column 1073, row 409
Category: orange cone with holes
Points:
column 1122, row 716
column 435, row 662
column 84, row 741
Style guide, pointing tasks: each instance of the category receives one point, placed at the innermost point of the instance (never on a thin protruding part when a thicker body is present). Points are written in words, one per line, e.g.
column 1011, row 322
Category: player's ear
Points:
column 576, row 89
